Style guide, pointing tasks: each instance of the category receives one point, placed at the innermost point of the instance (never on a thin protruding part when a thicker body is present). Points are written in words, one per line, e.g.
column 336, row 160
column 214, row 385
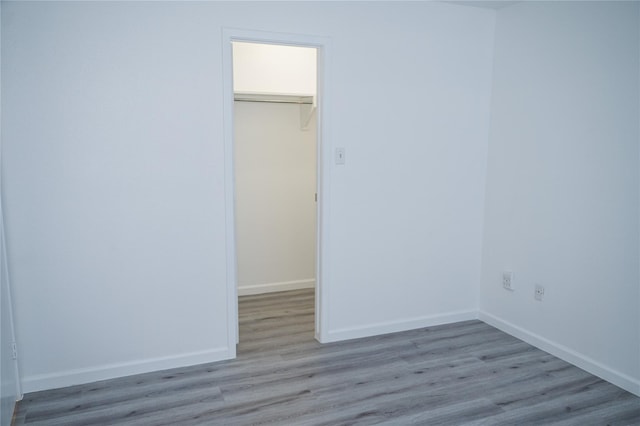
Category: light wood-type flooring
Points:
column 458, row 374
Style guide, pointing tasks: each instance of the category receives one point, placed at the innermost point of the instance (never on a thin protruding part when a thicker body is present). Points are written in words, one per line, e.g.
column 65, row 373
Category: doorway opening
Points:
column 275, row 175
column 275, row 182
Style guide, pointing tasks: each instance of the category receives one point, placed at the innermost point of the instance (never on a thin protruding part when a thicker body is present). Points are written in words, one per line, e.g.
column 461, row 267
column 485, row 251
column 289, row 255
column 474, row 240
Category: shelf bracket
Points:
column 306, row 113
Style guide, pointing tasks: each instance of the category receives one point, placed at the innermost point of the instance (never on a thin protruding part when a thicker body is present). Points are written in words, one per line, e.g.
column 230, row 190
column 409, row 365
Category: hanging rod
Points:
column 273, row 98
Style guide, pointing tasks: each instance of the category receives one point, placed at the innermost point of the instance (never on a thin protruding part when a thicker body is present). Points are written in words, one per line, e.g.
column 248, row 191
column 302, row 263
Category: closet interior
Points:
column 275, row 132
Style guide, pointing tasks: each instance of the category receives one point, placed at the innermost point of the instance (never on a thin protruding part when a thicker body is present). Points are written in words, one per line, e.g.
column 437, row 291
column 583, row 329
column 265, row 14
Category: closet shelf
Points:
column 274, row 98
column 307, row 103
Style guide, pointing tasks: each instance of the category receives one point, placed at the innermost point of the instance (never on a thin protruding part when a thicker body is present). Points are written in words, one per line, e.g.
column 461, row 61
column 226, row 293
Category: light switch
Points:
column 339, row 155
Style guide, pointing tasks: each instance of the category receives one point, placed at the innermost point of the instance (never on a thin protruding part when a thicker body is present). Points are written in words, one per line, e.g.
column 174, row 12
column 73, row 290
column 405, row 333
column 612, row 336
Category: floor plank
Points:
column 467, row 373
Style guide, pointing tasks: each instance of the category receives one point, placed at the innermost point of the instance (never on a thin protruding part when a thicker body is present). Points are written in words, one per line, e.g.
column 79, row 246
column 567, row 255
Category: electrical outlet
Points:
column 539, row 293
column 507, row 280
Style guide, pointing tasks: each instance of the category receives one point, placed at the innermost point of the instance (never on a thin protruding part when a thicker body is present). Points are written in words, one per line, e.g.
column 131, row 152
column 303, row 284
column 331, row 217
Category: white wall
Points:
column 114, row 174
column 8, row 375
column 268, row 68
column 275, row 207
column 411, row 108
column 562, row 183
column 113, row 179
column 9, row 388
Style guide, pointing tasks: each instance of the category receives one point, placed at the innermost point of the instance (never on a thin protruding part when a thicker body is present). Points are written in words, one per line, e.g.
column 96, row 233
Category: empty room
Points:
column 464, row 247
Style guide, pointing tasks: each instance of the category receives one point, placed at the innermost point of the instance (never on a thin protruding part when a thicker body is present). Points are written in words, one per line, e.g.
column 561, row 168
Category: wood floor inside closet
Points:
column 456, row 374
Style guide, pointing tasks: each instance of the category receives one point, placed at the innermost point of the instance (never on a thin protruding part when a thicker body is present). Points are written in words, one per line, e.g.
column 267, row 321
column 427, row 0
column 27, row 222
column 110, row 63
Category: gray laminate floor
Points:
column 457, row 374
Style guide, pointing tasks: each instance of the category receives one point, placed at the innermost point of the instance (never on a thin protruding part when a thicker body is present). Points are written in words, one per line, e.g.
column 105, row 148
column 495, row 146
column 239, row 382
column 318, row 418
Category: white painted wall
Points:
column 112, row 187
column 275, row 207
column 9, row 386
column 9, row 389
column 114, row 174
column 268, row 68
column 562, row 183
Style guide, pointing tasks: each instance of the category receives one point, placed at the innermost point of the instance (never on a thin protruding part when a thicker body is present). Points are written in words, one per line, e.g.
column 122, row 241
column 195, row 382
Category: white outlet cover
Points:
column 507, row 280
column 539, row 292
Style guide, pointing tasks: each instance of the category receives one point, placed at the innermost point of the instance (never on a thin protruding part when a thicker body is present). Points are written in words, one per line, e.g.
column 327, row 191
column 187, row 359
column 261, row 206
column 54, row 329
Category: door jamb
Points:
column 323, row 156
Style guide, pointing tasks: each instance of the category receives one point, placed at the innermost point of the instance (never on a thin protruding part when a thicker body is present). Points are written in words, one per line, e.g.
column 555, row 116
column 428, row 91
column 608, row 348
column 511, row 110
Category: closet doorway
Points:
column 274, row 167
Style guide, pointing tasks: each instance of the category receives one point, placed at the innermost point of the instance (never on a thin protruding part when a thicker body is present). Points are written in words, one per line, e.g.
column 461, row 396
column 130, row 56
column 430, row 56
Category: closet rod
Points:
column 275, row 101
column 273, row 98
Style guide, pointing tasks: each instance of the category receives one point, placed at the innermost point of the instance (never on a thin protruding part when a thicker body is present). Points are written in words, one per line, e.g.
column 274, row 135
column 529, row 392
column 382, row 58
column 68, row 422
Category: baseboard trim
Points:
column 621, row 380
column 88, row 375
column 247, row 290
column 112, row 371
column 399, row 325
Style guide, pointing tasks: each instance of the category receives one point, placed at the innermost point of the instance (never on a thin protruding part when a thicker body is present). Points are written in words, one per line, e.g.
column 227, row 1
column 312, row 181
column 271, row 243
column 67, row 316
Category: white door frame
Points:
column 323, row 157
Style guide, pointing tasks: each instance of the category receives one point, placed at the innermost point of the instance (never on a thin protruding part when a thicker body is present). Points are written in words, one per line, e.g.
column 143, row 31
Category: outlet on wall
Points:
column 507, row 280
column 539, row 292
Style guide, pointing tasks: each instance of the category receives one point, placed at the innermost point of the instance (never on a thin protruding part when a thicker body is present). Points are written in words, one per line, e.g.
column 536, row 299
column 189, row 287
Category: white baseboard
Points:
column 398, row 325
column 247, row 290
column 112, row 371
column 579, row 360
column 88, row 375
